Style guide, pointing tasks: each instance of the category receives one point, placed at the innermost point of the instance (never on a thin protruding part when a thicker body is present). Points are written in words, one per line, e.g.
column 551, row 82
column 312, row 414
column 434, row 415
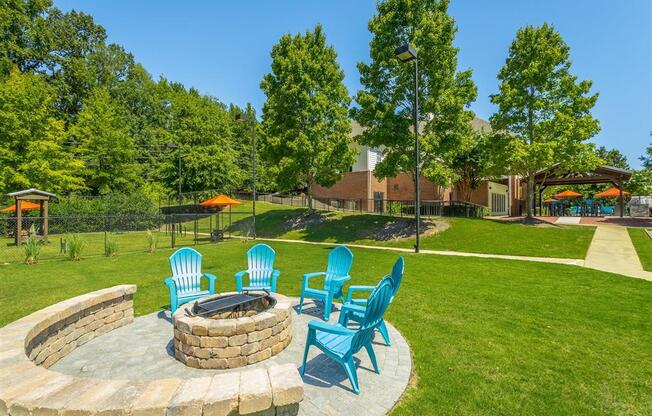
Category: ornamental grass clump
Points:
column 111, row 247
column 76, row 246
column 32, row 249
column 152, row 241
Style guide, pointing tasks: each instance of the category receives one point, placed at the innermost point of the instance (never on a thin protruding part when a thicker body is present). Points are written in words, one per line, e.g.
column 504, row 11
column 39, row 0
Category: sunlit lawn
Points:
column 488, row 336
column 643, row 245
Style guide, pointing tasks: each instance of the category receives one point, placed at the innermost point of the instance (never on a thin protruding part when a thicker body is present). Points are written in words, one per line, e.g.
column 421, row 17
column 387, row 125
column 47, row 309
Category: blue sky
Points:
column 222, row 48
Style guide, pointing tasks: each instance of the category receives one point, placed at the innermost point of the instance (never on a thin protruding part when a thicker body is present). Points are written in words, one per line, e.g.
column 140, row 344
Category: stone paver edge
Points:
column 29, row 388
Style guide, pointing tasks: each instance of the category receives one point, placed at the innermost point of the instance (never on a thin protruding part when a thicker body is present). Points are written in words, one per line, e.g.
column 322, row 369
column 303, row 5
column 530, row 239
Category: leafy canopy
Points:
column 305, row 117
column 544, row 112
column 385, row 102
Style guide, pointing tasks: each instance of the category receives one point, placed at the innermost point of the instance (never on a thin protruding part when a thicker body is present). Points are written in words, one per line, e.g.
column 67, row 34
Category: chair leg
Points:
column 328, row 302
column 300, row 304
column 349, row 367
column 372, row 356
column 383, row 331
column 302, row 370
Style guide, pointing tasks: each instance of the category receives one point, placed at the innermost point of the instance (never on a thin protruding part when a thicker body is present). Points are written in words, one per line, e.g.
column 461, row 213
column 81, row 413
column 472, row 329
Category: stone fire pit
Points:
column 231, row 339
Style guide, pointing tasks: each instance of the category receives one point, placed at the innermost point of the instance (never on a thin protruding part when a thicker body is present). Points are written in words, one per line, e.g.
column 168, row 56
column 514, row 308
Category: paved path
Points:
column 612, row 250
column 572, row 262
column 143, row 351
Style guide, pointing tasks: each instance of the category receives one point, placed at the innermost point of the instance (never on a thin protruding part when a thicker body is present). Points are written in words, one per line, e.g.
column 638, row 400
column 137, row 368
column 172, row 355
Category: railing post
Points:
column 173, row 226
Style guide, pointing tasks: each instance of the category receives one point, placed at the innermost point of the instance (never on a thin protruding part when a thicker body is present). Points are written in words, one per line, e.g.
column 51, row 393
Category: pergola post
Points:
column 44, row 219
column 19, row 222
column 622, row 201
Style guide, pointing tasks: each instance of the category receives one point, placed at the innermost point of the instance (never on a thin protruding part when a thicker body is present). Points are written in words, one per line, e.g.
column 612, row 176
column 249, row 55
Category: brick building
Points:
column 503, row 197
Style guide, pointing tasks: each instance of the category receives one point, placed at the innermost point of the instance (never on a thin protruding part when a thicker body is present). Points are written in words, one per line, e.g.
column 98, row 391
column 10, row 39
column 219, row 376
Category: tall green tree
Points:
column 612, row 157
column 31, row 139
column 201, row 128
column 385, row 102
column 544, row 112
column 472, row 164
column 101, row 134
column 305, row 117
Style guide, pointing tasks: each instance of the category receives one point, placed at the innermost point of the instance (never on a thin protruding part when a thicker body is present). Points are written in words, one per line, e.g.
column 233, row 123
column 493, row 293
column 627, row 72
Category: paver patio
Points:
column 143, row 350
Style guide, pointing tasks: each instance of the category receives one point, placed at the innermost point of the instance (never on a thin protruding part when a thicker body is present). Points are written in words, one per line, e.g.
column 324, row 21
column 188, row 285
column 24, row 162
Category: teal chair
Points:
column 354, row 308
column 261, row 271
column 337, row 271
column 185, row 283
column 341, row 344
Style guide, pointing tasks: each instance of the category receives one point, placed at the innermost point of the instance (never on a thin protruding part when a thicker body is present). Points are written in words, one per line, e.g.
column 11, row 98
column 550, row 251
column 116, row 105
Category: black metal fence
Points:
column 108, row 235
column 399, row 208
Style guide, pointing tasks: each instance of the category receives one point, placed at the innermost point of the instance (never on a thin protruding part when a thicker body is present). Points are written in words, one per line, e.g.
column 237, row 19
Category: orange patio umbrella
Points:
column 610, row 193
column 550, row 200
column 24, row 206
column 221, row 201
column 568, row 194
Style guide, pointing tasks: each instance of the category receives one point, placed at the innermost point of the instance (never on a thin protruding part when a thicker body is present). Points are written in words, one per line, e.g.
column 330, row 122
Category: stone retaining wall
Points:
column 229, row 343
column 31, row 344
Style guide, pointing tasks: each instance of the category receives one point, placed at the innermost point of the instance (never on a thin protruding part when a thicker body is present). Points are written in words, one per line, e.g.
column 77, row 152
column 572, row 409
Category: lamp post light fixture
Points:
column 405, row 54
column 244, row 117
column 173, row 146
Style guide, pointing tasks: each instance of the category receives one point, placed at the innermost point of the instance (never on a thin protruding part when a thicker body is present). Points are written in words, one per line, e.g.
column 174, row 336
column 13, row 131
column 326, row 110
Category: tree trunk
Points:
column 309, row 195
column 530, row 195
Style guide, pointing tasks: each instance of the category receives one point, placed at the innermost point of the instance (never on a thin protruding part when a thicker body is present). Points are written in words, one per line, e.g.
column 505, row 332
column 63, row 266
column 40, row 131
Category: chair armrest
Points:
column 238, row 279
column 357, row 288
column 275, row 275
column 169, row 282
column 211, row 282
column 308, row 276
column 316, row 325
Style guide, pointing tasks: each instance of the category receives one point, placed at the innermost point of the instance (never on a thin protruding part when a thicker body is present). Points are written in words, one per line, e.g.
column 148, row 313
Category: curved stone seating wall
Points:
column 31, row 344
column 229, row 343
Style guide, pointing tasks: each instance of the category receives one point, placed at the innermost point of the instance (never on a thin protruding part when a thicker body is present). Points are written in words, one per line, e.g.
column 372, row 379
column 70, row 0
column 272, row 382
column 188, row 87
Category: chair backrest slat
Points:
column 397, row 275
column 185, row 265
column 376, row 307
column 260, row 260
column 340, row 260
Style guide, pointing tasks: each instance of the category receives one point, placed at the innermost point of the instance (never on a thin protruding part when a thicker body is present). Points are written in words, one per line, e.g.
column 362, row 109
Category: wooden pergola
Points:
column 601, row 174
column 31, row 194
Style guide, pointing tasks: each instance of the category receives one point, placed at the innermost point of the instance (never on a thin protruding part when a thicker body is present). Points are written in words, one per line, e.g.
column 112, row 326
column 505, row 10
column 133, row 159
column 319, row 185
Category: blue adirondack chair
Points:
column 354, row 308
column 261, row 271
column 341, row 343
column 336, row 274
column 185, row 283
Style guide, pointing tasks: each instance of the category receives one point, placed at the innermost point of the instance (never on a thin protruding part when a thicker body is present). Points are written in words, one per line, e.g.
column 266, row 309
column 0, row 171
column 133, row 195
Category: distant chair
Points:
column 185, row 283
column 354, row 309
column 261, row 271
column 341, row 343
column 337, row 271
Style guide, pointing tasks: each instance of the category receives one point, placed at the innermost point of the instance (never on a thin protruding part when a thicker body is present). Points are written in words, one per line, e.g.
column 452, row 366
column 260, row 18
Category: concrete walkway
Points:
column 612, row 250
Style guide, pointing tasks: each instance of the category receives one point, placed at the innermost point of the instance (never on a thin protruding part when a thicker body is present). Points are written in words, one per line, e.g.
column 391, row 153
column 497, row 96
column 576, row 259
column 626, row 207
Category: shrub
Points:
column 110, row 247
column 32, row 249
column 152, row 241
column 76, row 246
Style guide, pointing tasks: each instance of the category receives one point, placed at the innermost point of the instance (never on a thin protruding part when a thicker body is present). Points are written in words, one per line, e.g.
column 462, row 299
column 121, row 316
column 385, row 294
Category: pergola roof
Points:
column 30, row 191
column 601, row 174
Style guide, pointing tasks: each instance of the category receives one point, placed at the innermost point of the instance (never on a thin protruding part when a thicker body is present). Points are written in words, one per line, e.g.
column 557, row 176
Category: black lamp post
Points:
column 173, row 146
column 407, row 53
column 244, row 117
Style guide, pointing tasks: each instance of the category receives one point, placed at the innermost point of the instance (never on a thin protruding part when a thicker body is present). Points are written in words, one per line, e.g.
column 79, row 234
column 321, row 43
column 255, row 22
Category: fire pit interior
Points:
column 232, row 329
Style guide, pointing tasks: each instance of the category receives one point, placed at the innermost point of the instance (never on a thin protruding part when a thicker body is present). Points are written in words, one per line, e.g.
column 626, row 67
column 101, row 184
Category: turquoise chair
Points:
column 354, row 308
column 336, row 274
column 261, row 271
column 341, row 343
column 185, row 283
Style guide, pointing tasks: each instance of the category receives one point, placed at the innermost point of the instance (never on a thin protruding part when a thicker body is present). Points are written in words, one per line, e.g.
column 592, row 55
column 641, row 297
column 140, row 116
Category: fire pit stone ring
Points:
column 258, row 328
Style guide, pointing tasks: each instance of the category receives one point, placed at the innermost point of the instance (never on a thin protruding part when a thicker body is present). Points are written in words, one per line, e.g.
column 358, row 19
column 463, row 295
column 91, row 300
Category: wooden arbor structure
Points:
column 31, row 194
column 601, row 174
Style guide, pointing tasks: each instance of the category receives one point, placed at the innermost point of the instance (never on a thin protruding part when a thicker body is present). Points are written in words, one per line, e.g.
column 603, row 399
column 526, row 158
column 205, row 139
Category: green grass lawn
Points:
column 488, row 336
column 464, row 234
column 643, row 245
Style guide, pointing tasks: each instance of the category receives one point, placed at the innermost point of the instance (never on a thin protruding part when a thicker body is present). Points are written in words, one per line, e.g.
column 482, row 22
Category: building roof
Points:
column 601, row 174
column 30, row 191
